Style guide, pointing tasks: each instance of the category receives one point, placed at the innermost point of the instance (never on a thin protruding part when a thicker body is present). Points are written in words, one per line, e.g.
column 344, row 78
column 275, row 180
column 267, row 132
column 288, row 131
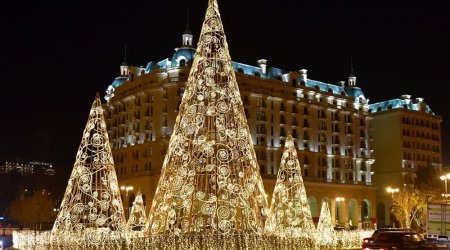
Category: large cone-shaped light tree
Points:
column 91, row 206
column 137, row 219
column 290, row 214
column 325, row 230
column 210, row 181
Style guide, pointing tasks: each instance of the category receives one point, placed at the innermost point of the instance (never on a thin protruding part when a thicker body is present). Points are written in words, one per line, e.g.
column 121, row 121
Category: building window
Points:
column 181, row 91
column 282, row 132
column 294, row 82
column 182, row 63
column 246, row 101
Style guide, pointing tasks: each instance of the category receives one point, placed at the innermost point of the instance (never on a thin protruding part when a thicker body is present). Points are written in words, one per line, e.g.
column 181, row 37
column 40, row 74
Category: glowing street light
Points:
column 126, row 188
column 445, row 178
column 392, row 191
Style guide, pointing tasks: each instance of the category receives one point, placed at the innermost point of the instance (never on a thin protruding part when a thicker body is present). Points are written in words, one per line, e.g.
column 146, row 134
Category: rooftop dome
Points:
column 119, row 81
column 183, row 53
column 356, row 93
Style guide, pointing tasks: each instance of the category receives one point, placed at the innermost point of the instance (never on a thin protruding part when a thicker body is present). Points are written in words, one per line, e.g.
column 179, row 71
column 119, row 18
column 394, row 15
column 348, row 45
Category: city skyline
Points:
column 57, row 56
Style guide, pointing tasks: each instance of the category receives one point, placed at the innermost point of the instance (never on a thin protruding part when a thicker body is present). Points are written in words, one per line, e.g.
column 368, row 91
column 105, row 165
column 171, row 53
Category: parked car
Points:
column 398, row 239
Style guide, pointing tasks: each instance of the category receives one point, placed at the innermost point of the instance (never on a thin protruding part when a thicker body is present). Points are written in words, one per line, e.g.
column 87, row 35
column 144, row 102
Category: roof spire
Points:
column 187, row 19
column 352, row 73
column 351, row 76
column 124, row 63
column 187, row 34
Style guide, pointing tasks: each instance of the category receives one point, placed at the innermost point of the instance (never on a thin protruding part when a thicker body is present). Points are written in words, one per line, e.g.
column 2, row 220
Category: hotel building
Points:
column 330, row 123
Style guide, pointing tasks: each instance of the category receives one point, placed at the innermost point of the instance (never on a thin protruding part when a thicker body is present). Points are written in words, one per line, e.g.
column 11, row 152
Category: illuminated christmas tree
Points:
column 210, row 180
column 137, row 219
column 91, row 207
column 290, row 214
column 325, row 231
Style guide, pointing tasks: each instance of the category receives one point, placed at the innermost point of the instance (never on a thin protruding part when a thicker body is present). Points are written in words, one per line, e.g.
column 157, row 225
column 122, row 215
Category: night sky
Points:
column 54, row 56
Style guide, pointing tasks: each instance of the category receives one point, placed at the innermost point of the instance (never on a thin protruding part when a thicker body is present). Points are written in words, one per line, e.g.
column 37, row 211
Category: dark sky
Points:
column 55, row 55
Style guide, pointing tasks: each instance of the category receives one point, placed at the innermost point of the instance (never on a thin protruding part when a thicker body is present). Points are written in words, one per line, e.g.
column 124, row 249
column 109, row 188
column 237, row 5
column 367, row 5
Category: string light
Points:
column 35, row 240
column 290, row 214
column 325, row 234
column 91, row 207
column 136, row 221
column 210, row 181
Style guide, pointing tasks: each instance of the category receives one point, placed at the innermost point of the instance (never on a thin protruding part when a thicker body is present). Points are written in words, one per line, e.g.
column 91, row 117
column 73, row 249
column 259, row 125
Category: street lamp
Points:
column 392, row 191
column 127, row 189
column 445, row 178
column 338, row 200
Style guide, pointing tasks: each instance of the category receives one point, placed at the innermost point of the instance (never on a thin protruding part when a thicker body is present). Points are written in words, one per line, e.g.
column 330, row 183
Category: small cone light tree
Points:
column 290, row 214
column 91, row 207
column 137, row 219
column 210, row 181
column 325, row 231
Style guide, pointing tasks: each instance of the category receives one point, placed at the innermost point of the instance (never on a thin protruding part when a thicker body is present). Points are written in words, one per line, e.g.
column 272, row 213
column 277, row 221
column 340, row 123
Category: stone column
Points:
column 343, row 212
column 359, row 218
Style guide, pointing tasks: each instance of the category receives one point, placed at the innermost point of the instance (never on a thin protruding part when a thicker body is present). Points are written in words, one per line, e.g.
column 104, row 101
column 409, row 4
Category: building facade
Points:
column 407, row 137
column 330, row 124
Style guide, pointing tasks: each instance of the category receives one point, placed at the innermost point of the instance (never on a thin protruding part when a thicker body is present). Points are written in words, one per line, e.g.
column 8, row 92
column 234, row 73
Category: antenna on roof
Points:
column 125, row 53
column 351, row 66
column 187, row 18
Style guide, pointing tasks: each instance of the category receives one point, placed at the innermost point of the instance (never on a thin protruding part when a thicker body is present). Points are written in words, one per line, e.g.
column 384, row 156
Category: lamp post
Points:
column 392, row 191
column 127, row 189
column 445, row 178
column 338, row 201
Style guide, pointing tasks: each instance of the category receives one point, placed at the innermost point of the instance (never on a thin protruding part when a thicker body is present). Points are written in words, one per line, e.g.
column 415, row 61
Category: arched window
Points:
column 182, row 63
column 313, row 206
column 294, row 82
column 317, row 87
column 330, row 90
column 306, row 160
column 353, row 212
column 257, row 74
column 241, row 70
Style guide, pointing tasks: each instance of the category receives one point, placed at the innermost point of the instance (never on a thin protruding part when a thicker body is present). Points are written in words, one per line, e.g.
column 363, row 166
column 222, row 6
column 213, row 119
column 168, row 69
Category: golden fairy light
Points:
column 210, row 181
column 290, row 214
column 137, row 219
column 91, row 206
column 326, row 236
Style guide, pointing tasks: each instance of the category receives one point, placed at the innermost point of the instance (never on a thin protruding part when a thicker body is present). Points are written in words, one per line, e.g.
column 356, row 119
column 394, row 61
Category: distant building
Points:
column 43, row 168
column 16, row 168
column 330, row 124
column 25, row 169
column 407, row 137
